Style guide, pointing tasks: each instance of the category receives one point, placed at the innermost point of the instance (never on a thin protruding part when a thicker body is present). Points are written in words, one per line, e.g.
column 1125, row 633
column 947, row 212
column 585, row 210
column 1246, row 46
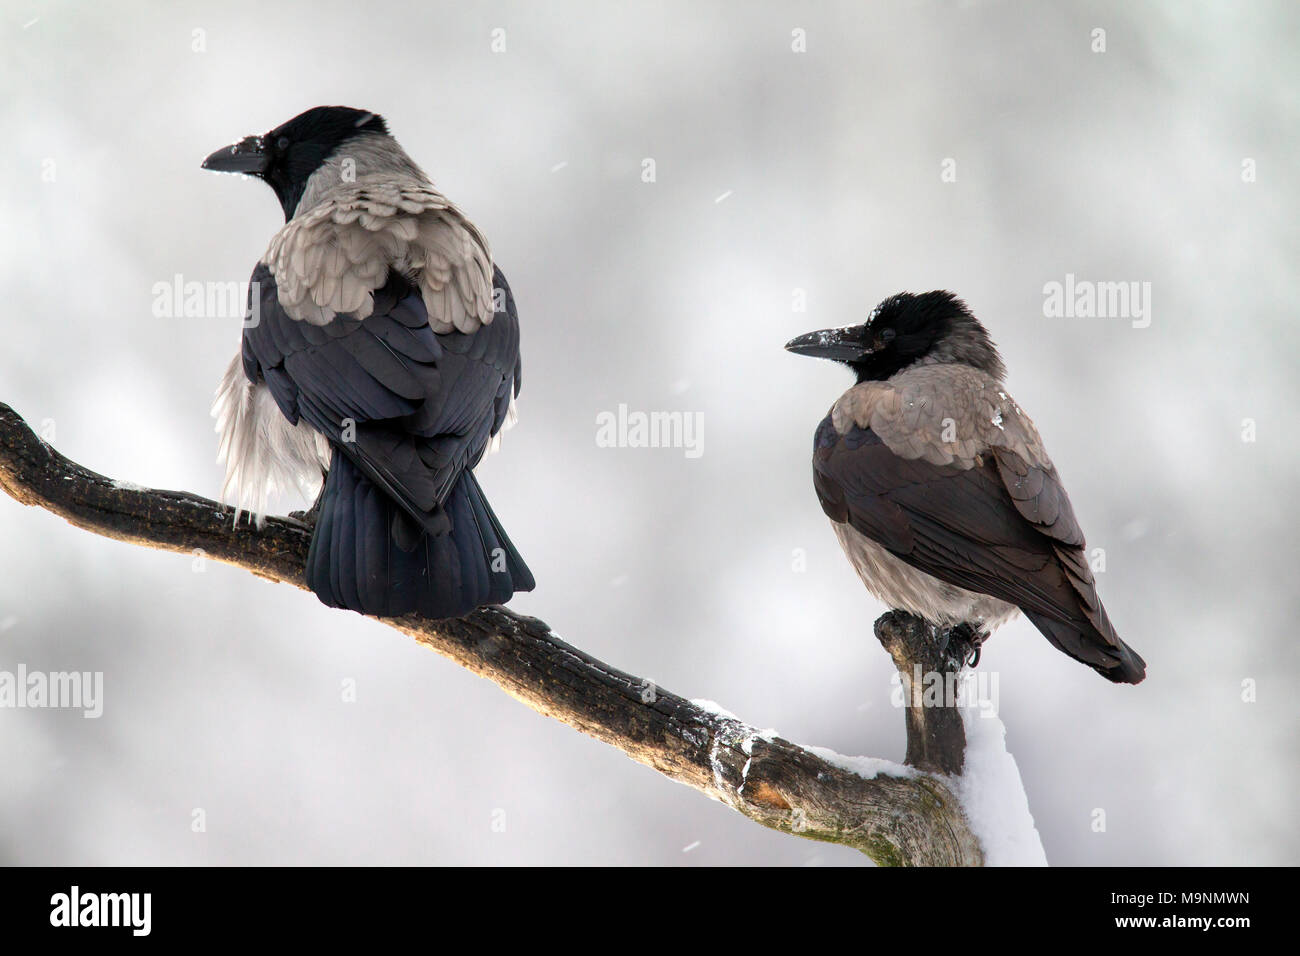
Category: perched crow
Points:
column 941, row 492
column 381, row 351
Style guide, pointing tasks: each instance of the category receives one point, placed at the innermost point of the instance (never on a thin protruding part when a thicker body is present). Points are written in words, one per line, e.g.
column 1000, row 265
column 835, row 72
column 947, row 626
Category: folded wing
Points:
column 942, row 469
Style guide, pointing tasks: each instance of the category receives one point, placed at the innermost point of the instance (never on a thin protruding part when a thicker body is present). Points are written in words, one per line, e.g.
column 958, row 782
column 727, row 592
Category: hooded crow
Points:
column 380, row 356
column 940, row 490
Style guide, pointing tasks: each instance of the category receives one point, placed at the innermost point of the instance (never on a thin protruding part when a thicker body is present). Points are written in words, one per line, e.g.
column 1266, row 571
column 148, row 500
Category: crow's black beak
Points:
column 247, row 156
column 840, row 345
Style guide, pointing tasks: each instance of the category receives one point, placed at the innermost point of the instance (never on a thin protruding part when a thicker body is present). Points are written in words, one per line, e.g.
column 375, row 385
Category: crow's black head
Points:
column 287, row 156
column 903, row 330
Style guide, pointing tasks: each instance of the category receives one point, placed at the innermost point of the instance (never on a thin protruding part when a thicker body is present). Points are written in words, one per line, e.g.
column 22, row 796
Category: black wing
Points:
column 964, row 527
column 412, row 409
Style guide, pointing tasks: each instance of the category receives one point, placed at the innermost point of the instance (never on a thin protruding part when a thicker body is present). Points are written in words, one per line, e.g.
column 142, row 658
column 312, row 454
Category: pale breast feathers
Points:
column 264, row 453
column 332, row 258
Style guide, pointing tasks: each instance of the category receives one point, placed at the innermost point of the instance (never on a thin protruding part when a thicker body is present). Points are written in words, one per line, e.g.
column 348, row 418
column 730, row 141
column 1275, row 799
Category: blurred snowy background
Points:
column 223, row 692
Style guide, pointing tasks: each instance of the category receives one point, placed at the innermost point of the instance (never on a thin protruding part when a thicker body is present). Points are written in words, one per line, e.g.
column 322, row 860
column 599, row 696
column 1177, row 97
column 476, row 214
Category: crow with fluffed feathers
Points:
column 380, row 357
column 940, row 491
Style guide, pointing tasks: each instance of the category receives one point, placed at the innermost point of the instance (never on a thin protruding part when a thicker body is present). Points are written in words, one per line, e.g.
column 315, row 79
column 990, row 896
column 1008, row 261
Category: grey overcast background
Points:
column 224, row 693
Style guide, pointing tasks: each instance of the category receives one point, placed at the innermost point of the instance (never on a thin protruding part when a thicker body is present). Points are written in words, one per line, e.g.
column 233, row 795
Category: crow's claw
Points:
column 308, row 518
column 962, row 643
column 304, row 519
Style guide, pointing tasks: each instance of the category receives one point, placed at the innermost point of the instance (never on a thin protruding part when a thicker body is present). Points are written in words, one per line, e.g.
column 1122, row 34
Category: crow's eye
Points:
column 885, row 336
column 282, row 143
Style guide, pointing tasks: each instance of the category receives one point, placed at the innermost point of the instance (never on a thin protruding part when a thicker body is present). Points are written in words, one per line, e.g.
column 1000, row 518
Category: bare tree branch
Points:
column 904, row 816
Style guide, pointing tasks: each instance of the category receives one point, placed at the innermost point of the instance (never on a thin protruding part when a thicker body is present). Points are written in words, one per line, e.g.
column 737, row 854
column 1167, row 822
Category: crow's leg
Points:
column 962, row 643
column 308, row 518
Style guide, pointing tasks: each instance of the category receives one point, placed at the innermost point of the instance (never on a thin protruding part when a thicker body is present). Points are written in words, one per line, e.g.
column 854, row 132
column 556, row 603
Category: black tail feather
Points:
column 1116, row 662
column 368, row 555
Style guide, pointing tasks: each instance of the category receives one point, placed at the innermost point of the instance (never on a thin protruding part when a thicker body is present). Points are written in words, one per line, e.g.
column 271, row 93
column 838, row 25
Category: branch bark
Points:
column 936, row 737
column 904, row 816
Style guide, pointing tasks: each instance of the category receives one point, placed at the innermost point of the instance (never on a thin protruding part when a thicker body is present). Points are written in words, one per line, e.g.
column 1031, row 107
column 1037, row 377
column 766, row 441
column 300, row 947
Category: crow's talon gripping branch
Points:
column 962, row 644
column 306, row 519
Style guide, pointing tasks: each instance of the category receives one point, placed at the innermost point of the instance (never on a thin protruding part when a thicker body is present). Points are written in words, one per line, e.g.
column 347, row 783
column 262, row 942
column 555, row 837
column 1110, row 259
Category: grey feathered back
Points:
column 369, row 209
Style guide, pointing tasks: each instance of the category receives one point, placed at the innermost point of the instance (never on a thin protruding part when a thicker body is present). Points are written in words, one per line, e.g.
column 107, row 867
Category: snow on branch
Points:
column 897, row 815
